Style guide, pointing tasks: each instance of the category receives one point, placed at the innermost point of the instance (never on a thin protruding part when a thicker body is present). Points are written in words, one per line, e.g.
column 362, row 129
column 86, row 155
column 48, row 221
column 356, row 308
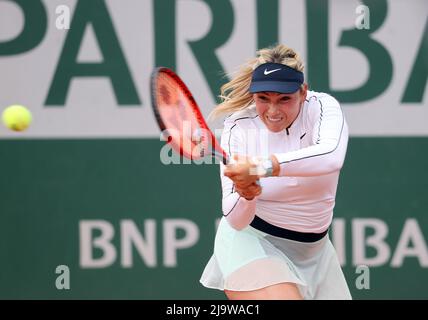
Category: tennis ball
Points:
column 16, row 117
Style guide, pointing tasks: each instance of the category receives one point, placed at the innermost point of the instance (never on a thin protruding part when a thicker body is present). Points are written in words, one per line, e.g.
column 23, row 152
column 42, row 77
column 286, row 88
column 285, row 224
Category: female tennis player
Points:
column 272, row 242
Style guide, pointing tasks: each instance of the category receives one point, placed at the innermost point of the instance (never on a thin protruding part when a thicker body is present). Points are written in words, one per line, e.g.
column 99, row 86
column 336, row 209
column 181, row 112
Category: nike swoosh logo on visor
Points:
column 270, row 71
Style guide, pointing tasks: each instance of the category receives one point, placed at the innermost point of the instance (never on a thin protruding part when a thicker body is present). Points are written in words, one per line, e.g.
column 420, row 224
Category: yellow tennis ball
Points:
column 17, row 117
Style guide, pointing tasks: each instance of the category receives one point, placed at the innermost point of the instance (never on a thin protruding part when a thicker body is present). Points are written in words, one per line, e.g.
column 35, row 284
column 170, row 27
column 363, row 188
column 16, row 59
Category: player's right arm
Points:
column 238, row 211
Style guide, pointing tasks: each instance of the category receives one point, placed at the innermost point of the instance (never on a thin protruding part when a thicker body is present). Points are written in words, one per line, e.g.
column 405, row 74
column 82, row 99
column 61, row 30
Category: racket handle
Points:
column 222, row 157
column 230, row 160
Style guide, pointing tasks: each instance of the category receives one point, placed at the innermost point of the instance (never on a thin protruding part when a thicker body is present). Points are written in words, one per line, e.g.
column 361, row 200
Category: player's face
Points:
column 279, row 110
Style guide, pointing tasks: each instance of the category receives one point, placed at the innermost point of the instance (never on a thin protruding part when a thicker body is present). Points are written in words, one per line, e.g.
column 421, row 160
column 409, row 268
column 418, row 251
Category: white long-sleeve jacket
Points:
column 311, row 153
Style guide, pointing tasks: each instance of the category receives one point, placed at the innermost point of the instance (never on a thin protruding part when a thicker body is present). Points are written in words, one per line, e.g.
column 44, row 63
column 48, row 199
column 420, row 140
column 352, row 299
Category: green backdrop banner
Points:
column 124, row 226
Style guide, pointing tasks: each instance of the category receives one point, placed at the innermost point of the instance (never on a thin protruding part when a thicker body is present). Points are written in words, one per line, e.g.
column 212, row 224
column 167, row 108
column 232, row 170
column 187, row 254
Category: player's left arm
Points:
column 329, row 137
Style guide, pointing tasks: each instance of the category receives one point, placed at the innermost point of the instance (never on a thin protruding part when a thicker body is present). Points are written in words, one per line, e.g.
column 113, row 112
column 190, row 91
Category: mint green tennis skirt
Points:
column 250, row 259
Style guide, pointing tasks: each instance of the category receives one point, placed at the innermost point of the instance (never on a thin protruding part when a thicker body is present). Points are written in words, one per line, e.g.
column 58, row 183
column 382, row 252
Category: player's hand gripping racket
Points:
column 180, row 119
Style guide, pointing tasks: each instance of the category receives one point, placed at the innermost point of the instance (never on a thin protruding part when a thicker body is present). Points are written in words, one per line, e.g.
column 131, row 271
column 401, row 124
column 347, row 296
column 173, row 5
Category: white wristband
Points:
column 264, row 167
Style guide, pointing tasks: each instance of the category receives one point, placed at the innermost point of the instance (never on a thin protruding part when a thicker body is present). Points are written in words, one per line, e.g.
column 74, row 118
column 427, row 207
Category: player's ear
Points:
column 303, row 92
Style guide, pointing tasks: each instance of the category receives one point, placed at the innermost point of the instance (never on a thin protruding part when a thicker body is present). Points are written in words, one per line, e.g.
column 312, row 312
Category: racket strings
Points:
column 182, row 124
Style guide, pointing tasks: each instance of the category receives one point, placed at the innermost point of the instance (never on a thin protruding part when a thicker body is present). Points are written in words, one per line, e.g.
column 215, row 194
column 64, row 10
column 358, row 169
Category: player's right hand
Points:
column 249, row 192
column 240, row 171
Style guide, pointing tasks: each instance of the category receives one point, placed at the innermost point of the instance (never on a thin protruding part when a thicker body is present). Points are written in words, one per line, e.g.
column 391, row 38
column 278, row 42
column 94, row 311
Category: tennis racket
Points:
column 180, row 119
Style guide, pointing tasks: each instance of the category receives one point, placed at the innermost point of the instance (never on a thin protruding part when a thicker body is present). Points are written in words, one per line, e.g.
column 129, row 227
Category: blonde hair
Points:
column 235, row 94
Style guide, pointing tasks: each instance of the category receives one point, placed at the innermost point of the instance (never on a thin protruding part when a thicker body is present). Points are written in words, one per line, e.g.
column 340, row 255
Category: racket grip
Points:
column 230, row 160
